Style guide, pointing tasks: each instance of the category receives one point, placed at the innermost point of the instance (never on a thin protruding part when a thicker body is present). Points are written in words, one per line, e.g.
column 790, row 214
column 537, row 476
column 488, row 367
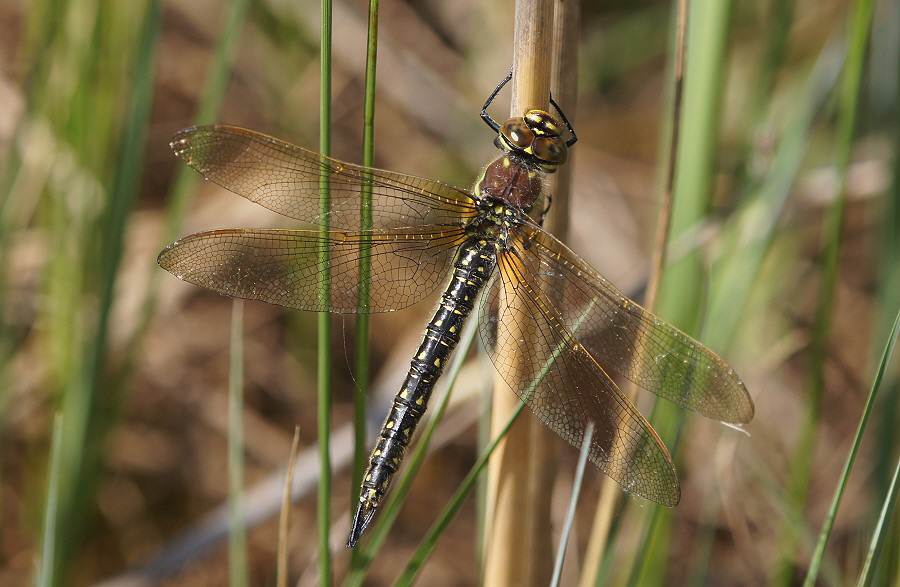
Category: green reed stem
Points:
column 238, row 575
column 46, row 571
column 361, row 367
column 880, row 535
column 573, row 501
column 324, row 319
column 819, row 553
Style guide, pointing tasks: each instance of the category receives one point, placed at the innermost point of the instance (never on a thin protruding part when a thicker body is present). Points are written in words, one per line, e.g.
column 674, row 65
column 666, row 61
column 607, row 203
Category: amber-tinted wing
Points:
column 565, row 387
column 283, row 266
column 626, row 339
column 285, row 178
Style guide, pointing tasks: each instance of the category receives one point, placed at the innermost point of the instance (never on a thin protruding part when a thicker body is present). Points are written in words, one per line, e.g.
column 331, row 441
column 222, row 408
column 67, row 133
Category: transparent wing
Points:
column 285, row 178
column 566, row 388
column 283, row 267
column 625, row 338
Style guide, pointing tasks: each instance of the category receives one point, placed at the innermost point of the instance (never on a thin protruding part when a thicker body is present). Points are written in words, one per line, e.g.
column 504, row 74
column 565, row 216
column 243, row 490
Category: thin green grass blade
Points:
column 879, row 536
column 391, row 508
column 819, row 552
column 323, row 387
column 284, row 516
column 573, row 501
column 888, row 285
column 361, row 369
column 237, row 536
column 46, row 572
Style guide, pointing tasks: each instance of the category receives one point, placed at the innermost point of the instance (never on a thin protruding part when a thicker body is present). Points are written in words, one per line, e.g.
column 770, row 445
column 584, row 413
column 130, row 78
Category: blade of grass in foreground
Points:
column 851, row 457
column 361, row 367
column 879, row 536
column 47, row 567
column 323, row 368
column 237, row 535
column 573, row 500
column 284, row 517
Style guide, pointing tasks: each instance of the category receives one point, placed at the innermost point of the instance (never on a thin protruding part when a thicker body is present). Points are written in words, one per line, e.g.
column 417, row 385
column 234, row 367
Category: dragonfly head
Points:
column 536, row 136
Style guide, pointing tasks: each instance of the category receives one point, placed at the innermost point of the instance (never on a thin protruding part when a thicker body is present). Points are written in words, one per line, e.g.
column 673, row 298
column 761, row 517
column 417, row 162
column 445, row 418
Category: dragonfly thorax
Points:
column 513, row 179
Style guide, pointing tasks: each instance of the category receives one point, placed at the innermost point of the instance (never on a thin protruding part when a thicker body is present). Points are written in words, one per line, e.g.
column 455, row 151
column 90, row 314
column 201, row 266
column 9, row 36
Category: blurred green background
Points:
column 799, row 256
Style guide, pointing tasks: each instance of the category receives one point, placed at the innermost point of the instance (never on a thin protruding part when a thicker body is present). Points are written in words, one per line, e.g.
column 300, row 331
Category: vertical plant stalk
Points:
column 237, row 534
column 518, row 539
column 610, row 491
column 284, row 517
column 47, row 570
column 819, row 553
column 362, row 375
column 324, row 319
column 573, row 501
column 880, row 534
column 848, row 98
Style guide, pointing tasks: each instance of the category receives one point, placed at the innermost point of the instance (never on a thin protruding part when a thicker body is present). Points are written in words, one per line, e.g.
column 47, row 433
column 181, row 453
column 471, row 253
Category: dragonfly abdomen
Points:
column 474, row 262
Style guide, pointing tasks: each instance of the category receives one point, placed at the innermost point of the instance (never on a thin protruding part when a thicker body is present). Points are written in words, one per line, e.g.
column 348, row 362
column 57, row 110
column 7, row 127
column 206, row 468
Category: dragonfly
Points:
column 555, row 329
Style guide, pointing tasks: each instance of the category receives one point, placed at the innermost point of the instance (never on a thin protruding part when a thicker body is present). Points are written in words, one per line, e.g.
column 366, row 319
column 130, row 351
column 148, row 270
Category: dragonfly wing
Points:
column 283, row 267
column 627, row 339
column 566, row 388
column 286, row 179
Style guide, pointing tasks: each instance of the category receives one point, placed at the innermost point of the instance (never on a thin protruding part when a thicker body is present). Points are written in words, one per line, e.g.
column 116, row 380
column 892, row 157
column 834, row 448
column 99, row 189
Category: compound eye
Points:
column 517, row 134
column 542, row 123
column 550, row 149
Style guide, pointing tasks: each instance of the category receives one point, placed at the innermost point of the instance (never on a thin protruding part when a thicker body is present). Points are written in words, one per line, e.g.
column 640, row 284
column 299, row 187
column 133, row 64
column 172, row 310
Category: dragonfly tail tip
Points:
column 361, row 519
